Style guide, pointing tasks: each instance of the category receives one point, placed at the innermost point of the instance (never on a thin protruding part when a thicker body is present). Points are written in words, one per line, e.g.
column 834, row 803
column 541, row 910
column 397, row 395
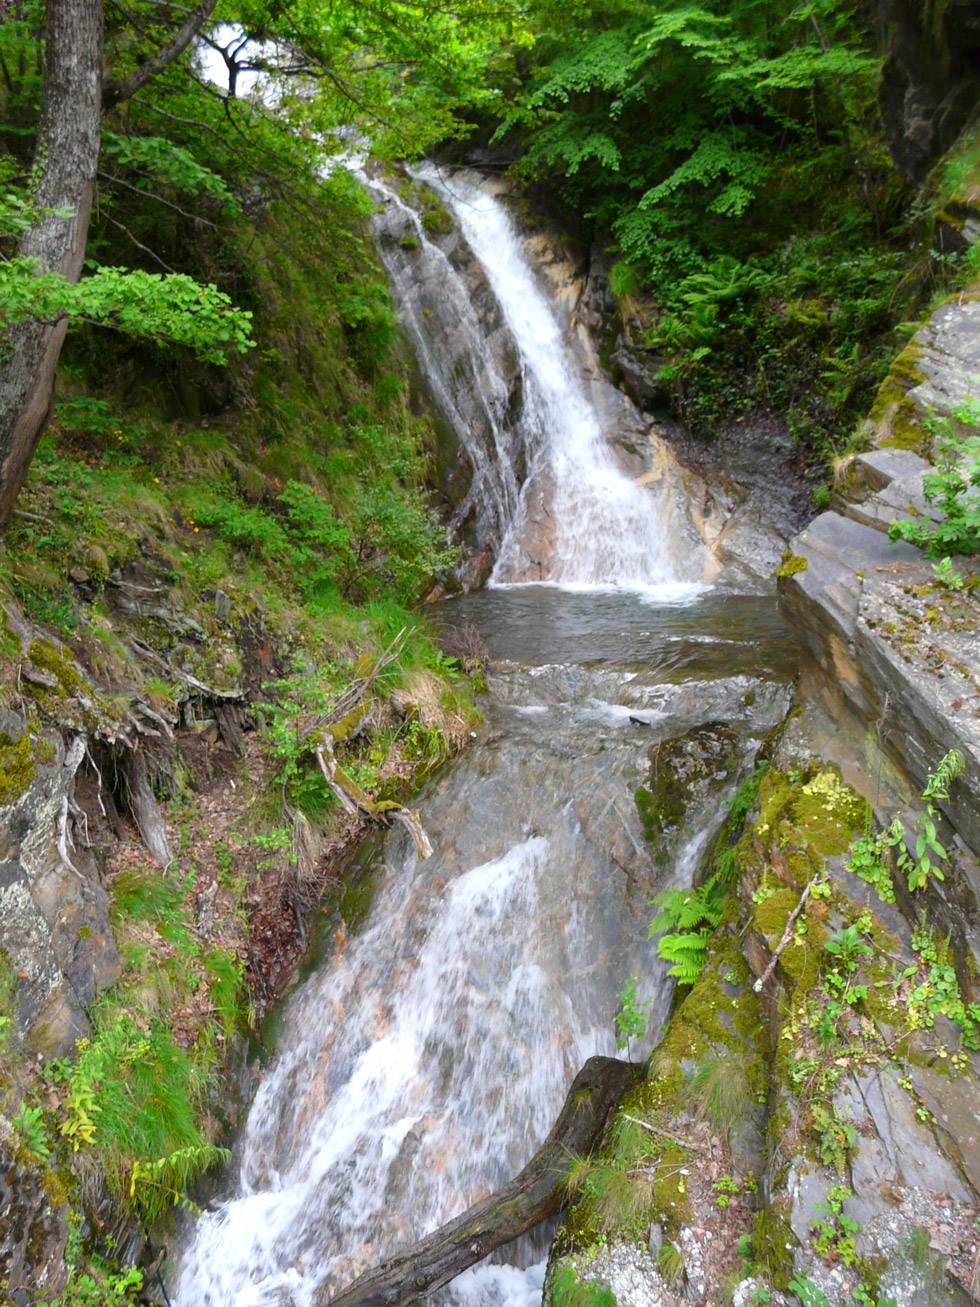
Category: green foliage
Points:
column 171, row 307
column 670, row 1261
column 733, row 162
column 938, row 990
column 631, row 1015
column 834, row 1230
column 867, row 856
column 955, row 490
column 170, row 163
column 836, row 1136
column 29, row 1123
column 567, row 1290
column 810, row 1295
column 616, row 1191
column 867, row 859
column 108, row 1289
column 920, row 867
column 947, row 575
column 134, row 1097
column 720, row 1090
column 847, row 945
column 687, row 918
column 92, row 1281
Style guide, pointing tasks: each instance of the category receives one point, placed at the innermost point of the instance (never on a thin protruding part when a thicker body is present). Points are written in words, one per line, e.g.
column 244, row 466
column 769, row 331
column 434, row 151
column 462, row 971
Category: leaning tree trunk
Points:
column 536, row 1193
column 66, row 160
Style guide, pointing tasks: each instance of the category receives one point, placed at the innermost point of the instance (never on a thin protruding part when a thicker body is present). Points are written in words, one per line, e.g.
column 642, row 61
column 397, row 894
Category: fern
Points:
column 688, row 918
column 682, row 909
column 685, row 950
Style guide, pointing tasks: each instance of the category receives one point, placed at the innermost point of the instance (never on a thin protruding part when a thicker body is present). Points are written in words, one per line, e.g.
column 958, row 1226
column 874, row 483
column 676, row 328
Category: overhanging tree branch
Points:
column 121, row 89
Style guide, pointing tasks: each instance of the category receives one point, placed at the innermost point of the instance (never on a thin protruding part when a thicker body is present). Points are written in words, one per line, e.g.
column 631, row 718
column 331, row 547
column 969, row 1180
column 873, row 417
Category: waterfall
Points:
column 580, row 521
column 422, row 1064
column 603, row 529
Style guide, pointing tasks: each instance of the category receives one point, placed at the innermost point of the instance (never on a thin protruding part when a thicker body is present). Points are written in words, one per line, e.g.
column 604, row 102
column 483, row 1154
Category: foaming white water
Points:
column 605, row 529
column 505, row 1286
column 660, row 593
column 420, row 1070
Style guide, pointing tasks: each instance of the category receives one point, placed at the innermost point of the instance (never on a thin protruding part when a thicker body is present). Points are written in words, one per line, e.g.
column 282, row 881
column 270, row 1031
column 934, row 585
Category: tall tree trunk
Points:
column 66, row 160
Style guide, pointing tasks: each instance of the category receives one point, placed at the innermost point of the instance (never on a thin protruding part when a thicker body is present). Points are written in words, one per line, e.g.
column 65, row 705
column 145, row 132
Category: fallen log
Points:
column 536, row 1193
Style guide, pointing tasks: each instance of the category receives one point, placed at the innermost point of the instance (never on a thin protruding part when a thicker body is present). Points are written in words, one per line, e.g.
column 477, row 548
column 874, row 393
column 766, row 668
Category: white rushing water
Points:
column 605, row 530
column 422, row 1064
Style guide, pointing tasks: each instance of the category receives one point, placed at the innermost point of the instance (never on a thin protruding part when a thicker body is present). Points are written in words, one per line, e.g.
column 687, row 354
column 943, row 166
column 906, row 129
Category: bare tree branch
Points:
column 145, row 248
column 121, row 89
column 152, row 195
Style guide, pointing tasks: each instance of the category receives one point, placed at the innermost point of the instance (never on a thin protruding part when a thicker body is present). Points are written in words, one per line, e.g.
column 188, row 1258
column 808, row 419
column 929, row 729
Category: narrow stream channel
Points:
column 424, row 1062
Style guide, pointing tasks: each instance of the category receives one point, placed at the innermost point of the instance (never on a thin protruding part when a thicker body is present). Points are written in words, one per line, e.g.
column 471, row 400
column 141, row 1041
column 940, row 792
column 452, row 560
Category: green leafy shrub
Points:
column 171, row 307
column 954, row 488
column 171, row 164
column 135, row 1098
column 631, row 1015
column 29, row 1123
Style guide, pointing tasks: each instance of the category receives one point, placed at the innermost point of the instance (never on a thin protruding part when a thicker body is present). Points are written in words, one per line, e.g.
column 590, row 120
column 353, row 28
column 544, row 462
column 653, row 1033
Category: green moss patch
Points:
column 792, row 564
column 17, row 767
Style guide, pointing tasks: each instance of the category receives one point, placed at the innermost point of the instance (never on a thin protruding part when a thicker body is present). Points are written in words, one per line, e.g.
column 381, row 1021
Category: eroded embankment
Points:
column 193, row 609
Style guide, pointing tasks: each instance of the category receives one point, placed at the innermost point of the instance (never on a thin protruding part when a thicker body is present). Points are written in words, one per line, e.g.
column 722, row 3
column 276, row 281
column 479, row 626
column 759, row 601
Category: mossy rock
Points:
column 720, row 1016
column 45, row 656
column 681, row 769
column 773, row 1241
column 769, row 917
column 813, row 816
column 894, row 420
column 436, row 220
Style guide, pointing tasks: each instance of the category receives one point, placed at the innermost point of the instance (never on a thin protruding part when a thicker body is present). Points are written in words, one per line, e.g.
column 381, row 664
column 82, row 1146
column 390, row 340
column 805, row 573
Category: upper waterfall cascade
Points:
column 604, row 529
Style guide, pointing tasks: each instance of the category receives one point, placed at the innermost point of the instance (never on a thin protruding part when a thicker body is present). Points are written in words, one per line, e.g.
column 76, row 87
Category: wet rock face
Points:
column 755, row 496
column 860, row 1169
column 929, row 83
column 889, row 645
column 932, row 376
column 683, row 771
column 467, row 367
column 54, row 930
column 33, row 1231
